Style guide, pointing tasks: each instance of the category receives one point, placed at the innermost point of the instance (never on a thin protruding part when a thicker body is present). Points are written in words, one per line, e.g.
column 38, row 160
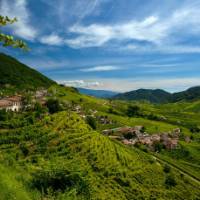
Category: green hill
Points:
column 153, row 96
column 15, row 74
column 58, row 155
column 61, row 157
column 160, row 96
column 189, row 95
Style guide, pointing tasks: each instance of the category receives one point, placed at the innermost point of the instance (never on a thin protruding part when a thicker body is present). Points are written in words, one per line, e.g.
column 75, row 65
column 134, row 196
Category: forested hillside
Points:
column 14, row 73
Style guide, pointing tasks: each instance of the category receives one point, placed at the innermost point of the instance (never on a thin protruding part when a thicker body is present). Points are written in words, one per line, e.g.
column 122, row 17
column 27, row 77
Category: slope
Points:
column 153, row 96
column 60, row 157
column 14, row 73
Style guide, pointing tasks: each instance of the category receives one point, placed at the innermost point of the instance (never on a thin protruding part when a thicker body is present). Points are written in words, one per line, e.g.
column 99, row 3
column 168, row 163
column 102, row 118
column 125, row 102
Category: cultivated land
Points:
column 54, row 148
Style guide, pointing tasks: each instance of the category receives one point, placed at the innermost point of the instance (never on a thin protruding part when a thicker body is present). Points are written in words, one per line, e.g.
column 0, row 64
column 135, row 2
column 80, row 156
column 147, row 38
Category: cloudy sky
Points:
column 118, row 45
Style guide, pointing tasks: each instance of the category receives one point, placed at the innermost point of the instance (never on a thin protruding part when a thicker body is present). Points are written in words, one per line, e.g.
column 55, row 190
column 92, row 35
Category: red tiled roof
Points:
column 5, row 103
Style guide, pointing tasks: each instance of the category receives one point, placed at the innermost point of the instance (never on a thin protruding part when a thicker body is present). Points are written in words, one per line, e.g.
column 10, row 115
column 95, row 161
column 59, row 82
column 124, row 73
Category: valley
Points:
column 61, row 144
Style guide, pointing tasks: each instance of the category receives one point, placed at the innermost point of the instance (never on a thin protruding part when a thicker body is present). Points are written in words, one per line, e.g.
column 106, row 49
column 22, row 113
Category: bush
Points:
column 92, row 122
column 170, row 181
column 158, row 146
column 3, row 115
column 59, row 180
column 24, row 149
column 167, row 169
column 129, row 136
column 53, row 105
column 133, row 111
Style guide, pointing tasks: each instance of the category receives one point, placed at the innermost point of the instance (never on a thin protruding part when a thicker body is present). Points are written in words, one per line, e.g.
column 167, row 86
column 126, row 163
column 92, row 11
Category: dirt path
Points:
column 191, row 176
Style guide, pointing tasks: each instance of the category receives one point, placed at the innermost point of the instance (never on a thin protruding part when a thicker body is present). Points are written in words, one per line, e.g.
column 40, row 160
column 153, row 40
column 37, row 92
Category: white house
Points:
column 13, row 103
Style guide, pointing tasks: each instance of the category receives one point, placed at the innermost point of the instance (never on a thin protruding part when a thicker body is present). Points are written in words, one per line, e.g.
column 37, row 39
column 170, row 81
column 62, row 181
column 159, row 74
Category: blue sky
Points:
column 118, row 45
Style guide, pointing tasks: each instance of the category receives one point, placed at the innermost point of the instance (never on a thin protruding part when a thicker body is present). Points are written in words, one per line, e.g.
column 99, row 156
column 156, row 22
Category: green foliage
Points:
column 166, row 168
column 3, row 115
column 53, row 105
column 8, row 40
column 59, row 180
column 158, row 146
column 133, row 110
column 92, row 122
column 62, row 148
column 170, row 181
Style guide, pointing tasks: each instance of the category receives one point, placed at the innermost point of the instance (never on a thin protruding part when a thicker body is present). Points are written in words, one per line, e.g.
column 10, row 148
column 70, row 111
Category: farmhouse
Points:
column 13, row 103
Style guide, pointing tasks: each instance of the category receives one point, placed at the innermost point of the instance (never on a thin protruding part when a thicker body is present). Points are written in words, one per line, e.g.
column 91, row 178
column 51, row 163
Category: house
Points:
column 155, row 138
column 146, row 140
column 128, row 142
column 40, row 94
column 104, row 120
column 171, row 144
column 176, row 133
column 13, row 103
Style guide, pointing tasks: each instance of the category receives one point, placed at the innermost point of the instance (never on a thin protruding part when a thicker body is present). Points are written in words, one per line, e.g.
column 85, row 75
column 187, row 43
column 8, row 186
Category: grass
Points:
column 62, row 148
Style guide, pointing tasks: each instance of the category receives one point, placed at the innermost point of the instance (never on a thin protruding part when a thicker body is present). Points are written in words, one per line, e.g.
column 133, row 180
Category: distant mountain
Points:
column 188, row 95
column 160, row 96
column 19, row 75
column 153, row 96
column 97, row 93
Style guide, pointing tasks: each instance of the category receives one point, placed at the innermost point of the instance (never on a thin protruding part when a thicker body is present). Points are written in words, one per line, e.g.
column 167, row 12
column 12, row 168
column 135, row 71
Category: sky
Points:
column 118, row 45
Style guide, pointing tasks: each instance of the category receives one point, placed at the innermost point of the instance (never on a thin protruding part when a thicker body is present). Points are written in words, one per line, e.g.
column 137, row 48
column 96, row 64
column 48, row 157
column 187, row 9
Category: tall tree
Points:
column 9, row 40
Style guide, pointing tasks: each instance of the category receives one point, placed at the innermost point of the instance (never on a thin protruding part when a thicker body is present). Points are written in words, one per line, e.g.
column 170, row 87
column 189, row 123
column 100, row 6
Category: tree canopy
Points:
column 9, row 40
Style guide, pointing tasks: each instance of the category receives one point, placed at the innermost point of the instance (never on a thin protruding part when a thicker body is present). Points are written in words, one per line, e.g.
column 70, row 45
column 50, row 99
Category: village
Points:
column 17, row 102
column 131, row 136
column 136, row 135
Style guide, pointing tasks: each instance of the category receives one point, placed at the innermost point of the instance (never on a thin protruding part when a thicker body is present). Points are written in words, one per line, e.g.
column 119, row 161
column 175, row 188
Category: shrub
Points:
column 170, row 181
column 129, row 136
column 24, row 149
column 3, row 115
column 158, row 146
column 59, row 180
column 92, row 122
column 167, row 168
column 53, row 105
column 133, row 111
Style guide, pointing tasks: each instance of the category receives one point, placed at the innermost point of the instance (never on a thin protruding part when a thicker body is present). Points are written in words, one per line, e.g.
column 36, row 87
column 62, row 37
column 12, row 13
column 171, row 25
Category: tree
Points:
column 170, row 181
column 8, row 40
column 133, row 110
column 92, row 122
column 167, row 168
column 3, row 115
column 53, row 105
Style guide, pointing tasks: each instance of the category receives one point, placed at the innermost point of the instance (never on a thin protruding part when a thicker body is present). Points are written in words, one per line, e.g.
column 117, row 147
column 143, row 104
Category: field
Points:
column 59, row 155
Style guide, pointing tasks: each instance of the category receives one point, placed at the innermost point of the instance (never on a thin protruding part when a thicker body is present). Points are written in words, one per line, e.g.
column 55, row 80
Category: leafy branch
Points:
column 9, row 40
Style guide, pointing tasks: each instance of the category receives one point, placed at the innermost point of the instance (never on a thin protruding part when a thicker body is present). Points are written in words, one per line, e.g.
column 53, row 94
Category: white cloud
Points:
column 97, row 35
column 52, row 39
column 124, row 85
column 160, row 32
column 46, row 63
column 80, row 83
column 101, row 68
column 18, row 8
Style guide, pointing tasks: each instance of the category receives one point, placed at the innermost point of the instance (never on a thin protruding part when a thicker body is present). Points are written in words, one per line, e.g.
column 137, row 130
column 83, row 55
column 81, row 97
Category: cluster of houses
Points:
column 15, row 103
column 104, row 120
column 136, row 135
column 12, row 103
column 40, row 96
